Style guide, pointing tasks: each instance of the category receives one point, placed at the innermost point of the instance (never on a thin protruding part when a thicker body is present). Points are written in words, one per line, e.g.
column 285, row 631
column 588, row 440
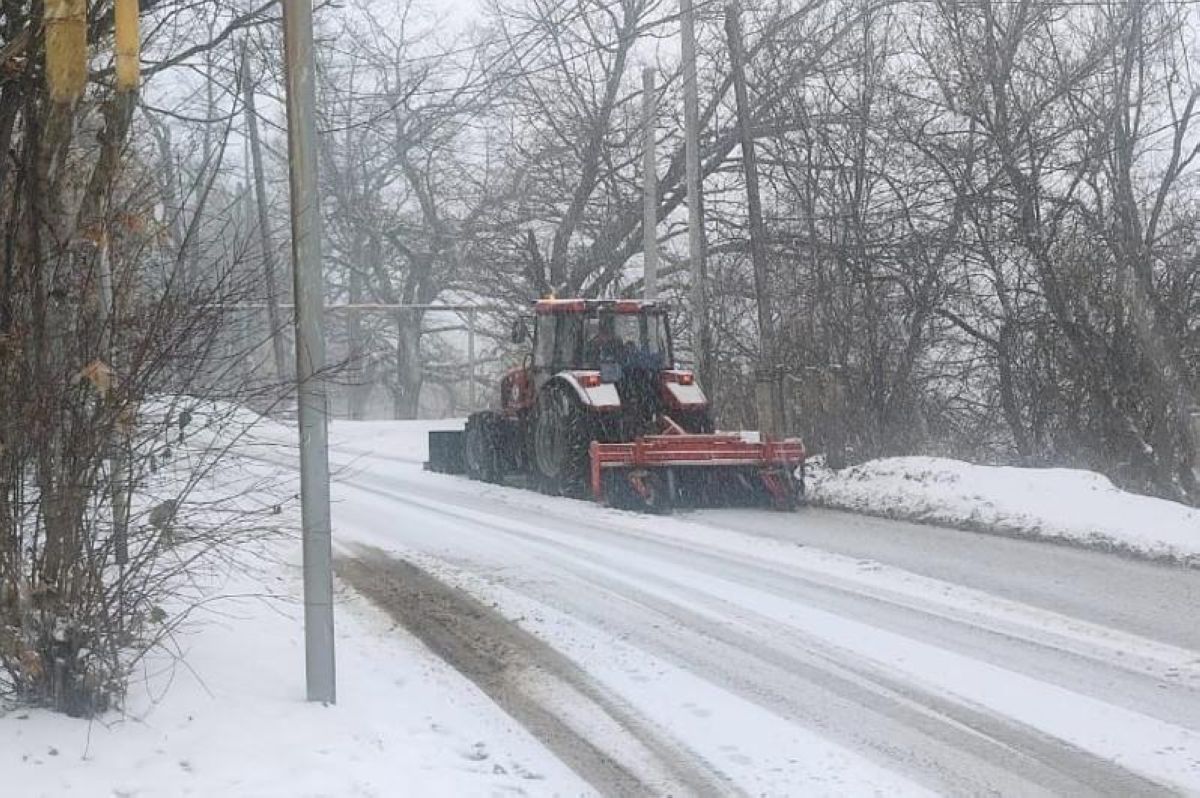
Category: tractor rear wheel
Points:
column 561, row 437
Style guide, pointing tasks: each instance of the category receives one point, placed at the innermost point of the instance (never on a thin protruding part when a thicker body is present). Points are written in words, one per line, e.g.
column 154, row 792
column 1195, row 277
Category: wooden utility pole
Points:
column 769, row 393
column 264, row 221
column 649, row 187
column 695, row 200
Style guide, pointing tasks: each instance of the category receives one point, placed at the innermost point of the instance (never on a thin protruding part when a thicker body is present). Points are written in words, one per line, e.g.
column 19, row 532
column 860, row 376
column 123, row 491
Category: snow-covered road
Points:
column 810, row 653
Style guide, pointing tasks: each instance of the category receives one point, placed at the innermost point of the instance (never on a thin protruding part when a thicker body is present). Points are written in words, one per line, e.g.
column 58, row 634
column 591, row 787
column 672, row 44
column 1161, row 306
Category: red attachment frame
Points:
column 629, row 306
column 544, row 306
column 678, row 448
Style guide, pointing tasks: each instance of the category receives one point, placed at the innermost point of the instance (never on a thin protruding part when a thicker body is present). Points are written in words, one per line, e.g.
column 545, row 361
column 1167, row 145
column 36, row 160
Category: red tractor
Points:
column 599, row 407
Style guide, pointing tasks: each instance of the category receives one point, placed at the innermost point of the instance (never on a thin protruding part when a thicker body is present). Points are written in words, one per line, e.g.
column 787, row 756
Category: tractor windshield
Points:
column 628, row 339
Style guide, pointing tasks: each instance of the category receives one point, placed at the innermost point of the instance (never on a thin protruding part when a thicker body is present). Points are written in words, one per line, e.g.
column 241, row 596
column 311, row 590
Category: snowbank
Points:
column 1078, row 507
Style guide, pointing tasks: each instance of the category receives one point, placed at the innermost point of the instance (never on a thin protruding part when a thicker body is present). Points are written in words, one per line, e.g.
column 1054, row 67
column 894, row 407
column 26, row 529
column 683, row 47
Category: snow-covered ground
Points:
column 1079, row 507
column 715, row 652
column 231, row 720
column 811, row 653
column 227, row 717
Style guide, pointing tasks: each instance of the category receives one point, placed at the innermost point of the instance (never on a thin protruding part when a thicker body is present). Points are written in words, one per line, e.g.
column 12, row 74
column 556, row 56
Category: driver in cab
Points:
column 606, row 345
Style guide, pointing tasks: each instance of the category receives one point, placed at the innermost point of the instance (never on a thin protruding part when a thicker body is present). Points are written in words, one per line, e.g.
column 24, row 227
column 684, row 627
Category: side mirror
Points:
column 520, row 333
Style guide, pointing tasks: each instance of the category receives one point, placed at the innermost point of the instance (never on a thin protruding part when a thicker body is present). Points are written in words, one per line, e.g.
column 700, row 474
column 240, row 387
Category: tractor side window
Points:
column 544, row 346
column 566, row 349
column 628, row 329
column 658, row 338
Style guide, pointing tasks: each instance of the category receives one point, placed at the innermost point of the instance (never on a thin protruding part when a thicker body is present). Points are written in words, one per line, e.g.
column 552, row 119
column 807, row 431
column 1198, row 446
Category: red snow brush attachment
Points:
column 718, row 469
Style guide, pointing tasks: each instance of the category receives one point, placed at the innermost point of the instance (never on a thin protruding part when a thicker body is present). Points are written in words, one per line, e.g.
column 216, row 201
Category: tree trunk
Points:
column 409, row 374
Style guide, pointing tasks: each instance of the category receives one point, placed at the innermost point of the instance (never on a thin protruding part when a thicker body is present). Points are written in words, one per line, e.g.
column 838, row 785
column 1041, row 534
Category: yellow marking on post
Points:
column 66, row 49
column 125, row 20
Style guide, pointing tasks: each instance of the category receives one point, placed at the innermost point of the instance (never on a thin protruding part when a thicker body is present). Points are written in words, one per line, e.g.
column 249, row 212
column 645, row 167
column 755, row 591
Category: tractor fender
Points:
column 603, row 396
column 684, row 397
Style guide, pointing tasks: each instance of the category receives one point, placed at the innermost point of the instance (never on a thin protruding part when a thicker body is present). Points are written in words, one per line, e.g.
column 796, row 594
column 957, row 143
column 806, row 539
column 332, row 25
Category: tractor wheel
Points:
column 479, row 449
column 560, row 442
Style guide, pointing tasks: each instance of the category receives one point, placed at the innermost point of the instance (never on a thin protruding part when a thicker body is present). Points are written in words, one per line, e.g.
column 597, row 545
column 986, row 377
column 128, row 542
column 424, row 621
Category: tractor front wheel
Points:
column 560, row 442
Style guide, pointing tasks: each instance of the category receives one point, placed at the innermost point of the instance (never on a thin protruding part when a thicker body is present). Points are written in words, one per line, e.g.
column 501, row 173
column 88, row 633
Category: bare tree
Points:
column 98, row 326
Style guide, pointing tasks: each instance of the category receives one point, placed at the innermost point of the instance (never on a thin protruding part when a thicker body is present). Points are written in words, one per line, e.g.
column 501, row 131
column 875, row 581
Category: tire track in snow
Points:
column 848, row 585
column 593, row 733
column 967, row 724
column 998, row 754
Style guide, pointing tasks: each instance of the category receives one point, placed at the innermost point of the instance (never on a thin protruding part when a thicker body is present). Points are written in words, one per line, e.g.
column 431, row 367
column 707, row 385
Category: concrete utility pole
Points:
column 695, row 200
column 358, row 388
column 354, row 342
column 471, row 358
column 649, row 187
column 310, row 351
column 266, row 240
column 758, row 254
column 768, row 391
column 1194, row 423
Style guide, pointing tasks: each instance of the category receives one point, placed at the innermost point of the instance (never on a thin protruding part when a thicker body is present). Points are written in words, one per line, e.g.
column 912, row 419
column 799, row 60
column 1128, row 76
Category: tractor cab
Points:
column 614, row 355
column 603, row 336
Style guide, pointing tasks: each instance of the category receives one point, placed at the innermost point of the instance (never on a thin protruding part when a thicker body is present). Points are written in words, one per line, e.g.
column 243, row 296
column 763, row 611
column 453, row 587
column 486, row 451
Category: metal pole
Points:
column 310, row 351
column 118, row 490
column 357, row 389
column 769, row 393
column 264, row 222
column 758, row 253
column 691, row 131
column 358, row 386
column 471, row 358
column 649, row 188
column 1194, row 424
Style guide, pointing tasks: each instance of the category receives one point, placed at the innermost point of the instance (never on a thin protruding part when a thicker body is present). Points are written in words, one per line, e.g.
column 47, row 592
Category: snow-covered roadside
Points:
column 230, row 718
column 1064, row 505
